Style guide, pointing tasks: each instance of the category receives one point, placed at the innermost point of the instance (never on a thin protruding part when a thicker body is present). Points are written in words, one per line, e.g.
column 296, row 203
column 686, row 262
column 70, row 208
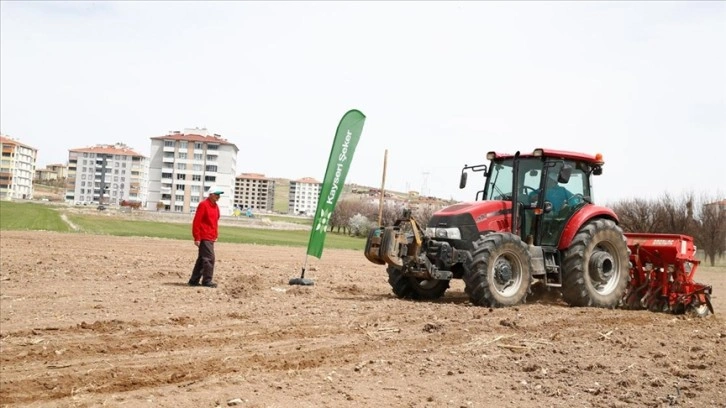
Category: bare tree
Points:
column 667, row 215
column 424, row 213
column 710, row 233
column 636, row 215
column 344, row 210
column 675, row 215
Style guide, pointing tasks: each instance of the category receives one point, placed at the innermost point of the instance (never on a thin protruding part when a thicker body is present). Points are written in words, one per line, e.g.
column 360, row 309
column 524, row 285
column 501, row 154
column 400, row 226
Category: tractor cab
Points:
column 546, row 187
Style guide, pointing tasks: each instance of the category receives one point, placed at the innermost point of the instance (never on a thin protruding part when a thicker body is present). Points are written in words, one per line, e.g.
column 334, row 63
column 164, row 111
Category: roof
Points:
column 8, row 140
column 308, row 180
column 119, row 149
column 193, row 137
column 251, row 176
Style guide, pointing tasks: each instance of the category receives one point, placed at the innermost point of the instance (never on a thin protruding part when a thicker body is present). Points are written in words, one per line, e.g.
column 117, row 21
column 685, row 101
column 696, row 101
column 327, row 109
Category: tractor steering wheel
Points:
column 528, row 190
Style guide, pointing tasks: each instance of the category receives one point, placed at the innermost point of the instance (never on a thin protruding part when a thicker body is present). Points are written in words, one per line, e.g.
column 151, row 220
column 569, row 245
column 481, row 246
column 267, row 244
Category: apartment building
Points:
column 184, row 164
column 254, row 191
column 17, row 169
column 304, row 195
column 107, row 174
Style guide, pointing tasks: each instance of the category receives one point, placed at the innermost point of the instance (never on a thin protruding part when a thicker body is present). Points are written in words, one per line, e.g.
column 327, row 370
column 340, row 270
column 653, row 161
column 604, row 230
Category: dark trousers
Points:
column 204, row 267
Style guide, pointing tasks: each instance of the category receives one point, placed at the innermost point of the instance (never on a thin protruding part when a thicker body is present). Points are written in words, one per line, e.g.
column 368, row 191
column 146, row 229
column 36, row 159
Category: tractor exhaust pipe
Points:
column 515, row 193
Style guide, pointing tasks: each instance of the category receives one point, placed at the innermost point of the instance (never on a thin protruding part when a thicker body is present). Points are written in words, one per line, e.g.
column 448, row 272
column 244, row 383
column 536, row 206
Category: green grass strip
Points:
column 31, row 216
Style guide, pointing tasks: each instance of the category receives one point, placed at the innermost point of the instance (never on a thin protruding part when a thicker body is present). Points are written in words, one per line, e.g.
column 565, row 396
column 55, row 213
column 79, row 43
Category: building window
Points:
column 181, row 155
column 183, row 144
column 181, row 176
column 168, row 143
column 196, row 177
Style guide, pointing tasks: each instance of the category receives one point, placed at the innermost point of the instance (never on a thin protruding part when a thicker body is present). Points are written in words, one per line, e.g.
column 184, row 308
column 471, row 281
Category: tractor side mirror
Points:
column 564, row 176
column 462, row 181
column 597, row 171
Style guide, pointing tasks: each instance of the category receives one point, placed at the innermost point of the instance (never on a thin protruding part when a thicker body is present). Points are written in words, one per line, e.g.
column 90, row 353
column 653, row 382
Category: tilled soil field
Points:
column 90, row 321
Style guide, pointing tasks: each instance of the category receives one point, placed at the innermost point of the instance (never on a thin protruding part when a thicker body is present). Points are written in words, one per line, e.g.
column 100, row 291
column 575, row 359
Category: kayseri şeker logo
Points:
column 323, row 221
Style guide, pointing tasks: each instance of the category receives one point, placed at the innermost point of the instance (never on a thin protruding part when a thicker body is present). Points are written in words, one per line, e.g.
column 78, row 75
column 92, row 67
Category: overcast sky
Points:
column 441, row 83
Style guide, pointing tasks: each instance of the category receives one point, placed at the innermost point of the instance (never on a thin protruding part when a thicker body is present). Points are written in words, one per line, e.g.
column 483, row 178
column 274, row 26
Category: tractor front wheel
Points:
column 499, row 271
column 407, row 287
column 595, row 266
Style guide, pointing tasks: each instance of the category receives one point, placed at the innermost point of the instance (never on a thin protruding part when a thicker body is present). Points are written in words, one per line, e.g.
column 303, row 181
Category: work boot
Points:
column 209, row 285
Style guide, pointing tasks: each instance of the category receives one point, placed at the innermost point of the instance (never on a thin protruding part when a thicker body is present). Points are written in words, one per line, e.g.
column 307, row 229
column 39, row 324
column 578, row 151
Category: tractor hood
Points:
column 473, row 218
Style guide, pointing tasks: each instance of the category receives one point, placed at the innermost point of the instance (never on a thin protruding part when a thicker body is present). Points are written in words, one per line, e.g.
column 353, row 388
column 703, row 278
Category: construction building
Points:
column 254, row 191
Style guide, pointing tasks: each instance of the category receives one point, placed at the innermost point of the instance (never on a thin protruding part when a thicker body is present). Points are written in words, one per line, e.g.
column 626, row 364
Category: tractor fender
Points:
column 586, row 213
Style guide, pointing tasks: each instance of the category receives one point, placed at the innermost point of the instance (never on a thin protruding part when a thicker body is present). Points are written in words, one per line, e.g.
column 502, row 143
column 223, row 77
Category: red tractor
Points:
column 534, row 221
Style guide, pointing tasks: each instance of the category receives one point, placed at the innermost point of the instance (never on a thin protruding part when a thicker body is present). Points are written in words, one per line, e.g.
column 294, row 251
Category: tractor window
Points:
column 564, row 204
column 499, row 183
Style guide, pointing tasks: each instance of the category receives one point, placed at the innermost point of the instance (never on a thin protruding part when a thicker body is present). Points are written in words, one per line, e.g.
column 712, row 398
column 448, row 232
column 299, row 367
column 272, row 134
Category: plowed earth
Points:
column 90, row 321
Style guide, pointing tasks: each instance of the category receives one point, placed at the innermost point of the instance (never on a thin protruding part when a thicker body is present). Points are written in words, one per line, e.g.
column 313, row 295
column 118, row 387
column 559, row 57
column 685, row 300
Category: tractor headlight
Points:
column 450, row 233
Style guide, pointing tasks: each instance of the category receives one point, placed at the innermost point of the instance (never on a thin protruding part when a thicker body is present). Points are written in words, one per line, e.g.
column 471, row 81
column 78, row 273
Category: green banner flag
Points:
column 341, row 155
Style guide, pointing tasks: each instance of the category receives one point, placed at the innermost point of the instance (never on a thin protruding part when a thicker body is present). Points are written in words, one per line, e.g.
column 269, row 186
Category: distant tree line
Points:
column 704, row 219
column 356, row 216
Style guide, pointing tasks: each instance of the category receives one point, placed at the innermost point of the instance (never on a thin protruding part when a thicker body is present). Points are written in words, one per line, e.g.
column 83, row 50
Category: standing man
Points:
column 205, row 231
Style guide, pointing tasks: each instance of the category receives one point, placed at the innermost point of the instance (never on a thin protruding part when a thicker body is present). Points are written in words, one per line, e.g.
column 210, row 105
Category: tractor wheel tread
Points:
column 578, row 289
column 479, row 272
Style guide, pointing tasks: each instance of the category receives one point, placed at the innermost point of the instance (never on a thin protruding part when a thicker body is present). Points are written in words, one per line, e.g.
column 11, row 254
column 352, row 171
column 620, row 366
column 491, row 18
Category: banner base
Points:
column 301, row 282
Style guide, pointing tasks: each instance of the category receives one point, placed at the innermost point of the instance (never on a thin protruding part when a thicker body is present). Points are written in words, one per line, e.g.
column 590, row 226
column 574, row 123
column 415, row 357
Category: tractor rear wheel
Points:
column 407, row 287
column 595, row 266
column 499, row 272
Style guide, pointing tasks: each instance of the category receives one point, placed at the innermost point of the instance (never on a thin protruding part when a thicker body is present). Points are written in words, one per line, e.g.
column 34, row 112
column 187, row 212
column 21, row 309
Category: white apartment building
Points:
column 304, row 195
column 107, row 174
column 184, row 164
column 17, row 169
column 254, row 191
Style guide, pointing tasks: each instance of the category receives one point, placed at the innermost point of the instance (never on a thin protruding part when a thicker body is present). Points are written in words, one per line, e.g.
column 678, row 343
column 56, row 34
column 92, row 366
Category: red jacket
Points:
column 204, row 227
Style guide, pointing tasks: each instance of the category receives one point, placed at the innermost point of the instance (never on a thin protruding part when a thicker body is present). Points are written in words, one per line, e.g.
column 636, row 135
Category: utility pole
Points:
column 424, row 185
